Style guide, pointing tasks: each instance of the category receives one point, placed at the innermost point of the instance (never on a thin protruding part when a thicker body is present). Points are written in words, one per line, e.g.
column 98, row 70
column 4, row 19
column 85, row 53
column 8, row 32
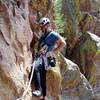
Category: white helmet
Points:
column 44, row 21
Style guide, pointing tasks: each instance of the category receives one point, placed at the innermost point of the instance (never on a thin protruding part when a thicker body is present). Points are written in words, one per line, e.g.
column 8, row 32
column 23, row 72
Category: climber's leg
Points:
column 36, row 80
column 43, row 79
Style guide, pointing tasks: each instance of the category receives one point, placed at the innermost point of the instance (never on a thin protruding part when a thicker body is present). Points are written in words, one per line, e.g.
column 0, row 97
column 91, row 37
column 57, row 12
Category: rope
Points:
column 25, row 92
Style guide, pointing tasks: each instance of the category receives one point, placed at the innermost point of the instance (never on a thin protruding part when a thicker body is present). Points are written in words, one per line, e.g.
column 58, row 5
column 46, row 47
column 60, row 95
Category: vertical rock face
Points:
column 92, row 24
column 81, row 48
column 15, row 37
column 89, row 5
column 85, row 5
column 93, row 8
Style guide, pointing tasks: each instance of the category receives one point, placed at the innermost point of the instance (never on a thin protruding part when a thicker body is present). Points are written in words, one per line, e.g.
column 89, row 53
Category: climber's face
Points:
column 44, row 29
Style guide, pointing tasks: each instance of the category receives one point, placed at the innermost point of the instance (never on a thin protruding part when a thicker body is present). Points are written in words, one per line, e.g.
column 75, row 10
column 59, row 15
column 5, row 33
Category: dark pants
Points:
column 39, row 78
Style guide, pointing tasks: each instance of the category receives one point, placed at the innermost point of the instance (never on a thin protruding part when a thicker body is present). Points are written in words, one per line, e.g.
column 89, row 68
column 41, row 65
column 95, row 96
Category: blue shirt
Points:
column 49, row 40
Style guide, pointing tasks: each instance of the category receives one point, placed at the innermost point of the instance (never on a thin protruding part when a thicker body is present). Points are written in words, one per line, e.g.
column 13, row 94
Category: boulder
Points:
column 74, row 84
column 83, row 54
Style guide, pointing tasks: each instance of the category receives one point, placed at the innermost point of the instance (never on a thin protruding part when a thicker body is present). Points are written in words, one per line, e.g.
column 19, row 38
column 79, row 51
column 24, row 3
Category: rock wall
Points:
column 15, row 57
column 79, row 43
column 93, row 8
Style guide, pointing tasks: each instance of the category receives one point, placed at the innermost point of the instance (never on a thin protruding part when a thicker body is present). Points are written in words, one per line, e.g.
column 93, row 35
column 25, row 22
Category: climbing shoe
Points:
column 37, row 93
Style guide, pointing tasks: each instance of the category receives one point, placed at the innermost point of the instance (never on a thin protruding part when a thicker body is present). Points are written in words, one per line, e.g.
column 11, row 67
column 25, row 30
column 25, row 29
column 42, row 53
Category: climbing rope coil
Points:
column 25, row 92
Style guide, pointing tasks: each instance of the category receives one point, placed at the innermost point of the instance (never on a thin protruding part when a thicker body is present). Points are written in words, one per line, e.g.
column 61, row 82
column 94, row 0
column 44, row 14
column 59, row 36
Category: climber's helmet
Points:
column 44, row 21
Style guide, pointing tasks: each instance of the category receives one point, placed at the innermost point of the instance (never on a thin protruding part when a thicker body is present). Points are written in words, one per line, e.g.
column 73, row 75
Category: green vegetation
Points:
column 58, row 16
column 98, row 52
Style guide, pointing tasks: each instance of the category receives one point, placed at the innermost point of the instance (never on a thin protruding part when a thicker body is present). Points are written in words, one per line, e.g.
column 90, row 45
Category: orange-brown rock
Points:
column 85, row 5
column 92, row 24
column 15, row 57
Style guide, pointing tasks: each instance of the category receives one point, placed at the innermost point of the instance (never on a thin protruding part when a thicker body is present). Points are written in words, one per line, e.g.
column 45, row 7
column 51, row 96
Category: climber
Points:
column 50, row 43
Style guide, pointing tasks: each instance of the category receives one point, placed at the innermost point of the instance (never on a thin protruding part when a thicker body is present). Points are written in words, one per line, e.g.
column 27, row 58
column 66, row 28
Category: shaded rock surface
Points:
column 92, row 24
column 15, row 57
column 81, row 49
column 93, row 8
column 83, row 54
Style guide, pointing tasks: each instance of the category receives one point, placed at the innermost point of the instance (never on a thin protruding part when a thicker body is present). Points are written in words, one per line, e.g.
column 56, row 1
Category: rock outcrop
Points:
column 92, row 24
column 74, row 84
column 93, row 8
column 15, row 57
column 90, row 6
column 81, row 49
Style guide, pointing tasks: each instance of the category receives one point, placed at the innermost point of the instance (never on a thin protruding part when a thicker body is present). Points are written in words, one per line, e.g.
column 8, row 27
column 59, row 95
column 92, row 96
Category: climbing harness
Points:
column 25, row 92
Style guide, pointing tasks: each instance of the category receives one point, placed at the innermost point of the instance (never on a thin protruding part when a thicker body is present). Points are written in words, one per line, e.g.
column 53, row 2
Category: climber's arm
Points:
column 60, row 43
